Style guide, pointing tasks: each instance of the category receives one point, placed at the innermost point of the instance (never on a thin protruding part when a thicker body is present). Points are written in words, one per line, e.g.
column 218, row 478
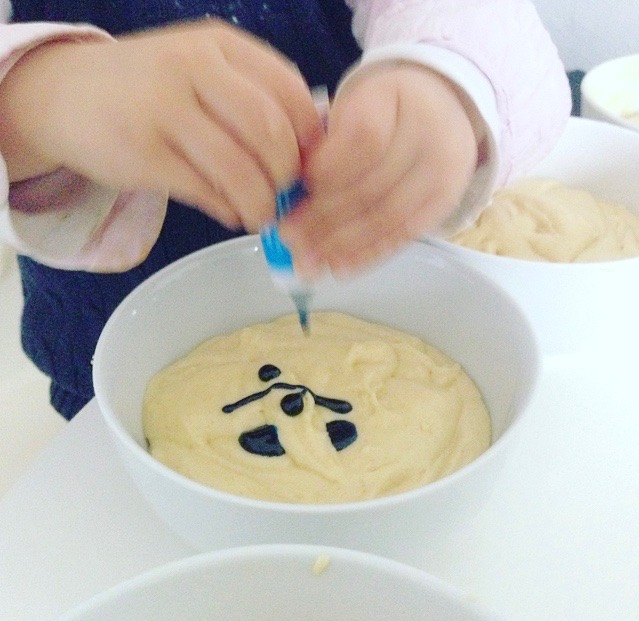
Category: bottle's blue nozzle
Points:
column 278, row 257
column 301, row 301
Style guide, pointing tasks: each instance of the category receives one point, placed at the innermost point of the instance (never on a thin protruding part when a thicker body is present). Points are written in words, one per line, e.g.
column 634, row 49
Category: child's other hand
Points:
column 203, row 111
column 398, row 157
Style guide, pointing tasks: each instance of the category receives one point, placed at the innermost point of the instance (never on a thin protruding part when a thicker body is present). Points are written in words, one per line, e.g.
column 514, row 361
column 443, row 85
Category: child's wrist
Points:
column 25, row 79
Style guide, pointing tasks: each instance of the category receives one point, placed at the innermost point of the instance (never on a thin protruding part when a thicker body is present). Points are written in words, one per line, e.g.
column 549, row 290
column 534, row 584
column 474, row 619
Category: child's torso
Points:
column 315, row 34
column 64, row 311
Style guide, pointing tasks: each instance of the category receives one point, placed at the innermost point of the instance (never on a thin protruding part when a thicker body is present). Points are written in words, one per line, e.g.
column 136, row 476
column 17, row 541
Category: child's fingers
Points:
column 411, row 202
column 209, row 116
column 348, row 189
column 389, row 222
column 247, row 89
column 226, row 167
column 360, row 132
column 255, row 121
column 367, row 188
column 345, row 244
column 277, row 76
column 185, row 184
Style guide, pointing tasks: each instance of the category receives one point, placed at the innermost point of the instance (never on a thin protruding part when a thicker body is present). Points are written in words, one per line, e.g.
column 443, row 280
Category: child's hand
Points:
column 399, row 155
column 203, row 111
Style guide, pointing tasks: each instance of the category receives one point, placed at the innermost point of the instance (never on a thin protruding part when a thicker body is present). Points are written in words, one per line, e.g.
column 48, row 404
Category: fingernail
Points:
column 343, row 270
column 308, row 264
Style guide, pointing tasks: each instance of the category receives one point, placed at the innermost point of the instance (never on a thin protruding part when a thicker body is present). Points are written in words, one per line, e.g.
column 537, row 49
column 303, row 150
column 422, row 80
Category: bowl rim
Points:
column 609, row 62
column 144, row 457
column 588, row 84
column 308, row 553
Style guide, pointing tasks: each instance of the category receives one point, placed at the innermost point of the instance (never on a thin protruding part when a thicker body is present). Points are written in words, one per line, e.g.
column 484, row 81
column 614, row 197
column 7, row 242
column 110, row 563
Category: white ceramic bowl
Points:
column 225, row 287
column 610, row 92
column 577, row 307
column 280, row 583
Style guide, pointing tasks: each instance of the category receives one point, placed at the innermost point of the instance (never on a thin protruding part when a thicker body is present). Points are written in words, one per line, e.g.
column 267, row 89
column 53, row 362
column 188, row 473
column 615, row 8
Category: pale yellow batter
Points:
column 417, row 414
column 544, row 220
column 633, row 117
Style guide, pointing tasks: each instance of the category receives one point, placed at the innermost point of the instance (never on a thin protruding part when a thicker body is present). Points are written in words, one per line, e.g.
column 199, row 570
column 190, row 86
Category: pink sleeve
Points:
column 62, row 219
column 507, row 42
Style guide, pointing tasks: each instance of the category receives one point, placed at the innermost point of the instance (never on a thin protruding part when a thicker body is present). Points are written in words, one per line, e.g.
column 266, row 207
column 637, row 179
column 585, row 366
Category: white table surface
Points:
column 557, row 540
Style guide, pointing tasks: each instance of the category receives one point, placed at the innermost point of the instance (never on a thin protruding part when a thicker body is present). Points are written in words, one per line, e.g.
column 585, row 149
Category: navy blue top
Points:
column 64, row 310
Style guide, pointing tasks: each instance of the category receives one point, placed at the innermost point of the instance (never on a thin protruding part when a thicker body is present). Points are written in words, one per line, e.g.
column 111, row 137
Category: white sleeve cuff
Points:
column 481, row 106
column 62, row 230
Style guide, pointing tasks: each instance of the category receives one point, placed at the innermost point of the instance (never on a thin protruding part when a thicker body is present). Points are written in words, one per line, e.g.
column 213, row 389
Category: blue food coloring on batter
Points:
column 264, row 440
column 268, row 372
column 342, row 433
column 291, row 407
column 293, row 403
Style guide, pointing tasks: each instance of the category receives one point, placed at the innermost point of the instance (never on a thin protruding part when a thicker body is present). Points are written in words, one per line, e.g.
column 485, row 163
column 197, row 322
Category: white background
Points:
column 588, row 32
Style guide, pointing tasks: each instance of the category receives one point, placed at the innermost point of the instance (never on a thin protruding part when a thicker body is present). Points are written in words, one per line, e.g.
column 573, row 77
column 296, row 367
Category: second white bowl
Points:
column 281, row 583
column 610, row 92
column 577, row 308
